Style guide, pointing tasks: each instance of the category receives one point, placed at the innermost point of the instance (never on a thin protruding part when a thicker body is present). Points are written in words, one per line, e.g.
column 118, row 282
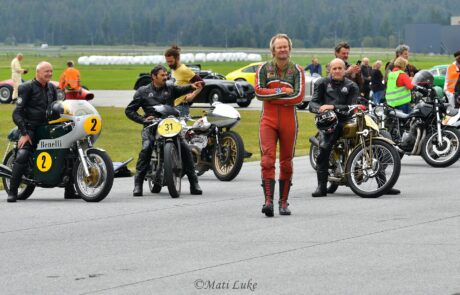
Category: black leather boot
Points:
column 195, row 188
column 138, row 182
column 268, row 186
column 285, row 186
column 321, row 190
column 18, row 170
column 70, row 193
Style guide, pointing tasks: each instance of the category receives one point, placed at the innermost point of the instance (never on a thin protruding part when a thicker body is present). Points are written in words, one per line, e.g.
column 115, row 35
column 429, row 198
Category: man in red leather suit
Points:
column 280, row 84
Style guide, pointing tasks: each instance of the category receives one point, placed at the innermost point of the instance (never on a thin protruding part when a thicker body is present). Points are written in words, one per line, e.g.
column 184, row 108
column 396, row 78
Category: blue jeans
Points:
column 405, row 108
column 184, row 109
column 377, row 96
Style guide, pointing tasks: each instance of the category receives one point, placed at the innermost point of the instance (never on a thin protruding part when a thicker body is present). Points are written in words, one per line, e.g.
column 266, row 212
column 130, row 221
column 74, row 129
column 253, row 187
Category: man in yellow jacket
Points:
column 16, row 72
column 452, row 76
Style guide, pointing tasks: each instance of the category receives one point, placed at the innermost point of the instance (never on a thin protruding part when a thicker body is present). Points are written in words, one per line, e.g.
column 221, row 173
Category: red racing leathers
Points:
column 278, row 119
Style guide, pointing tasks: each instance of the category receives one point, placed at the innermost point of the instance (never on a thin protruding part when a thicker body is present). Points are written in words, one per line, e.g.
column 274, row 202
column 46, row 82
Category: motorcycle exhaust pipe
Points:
column 5, row 171
column 416, row 144
column 313, row 140
column 419, row 150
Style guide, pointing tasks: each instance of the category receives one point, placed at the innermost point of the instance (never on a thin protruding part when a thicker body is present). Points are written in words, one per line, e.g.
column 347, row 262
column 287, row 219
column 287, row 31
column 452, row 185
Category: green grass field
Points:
column 121, row 137
column 117, row 77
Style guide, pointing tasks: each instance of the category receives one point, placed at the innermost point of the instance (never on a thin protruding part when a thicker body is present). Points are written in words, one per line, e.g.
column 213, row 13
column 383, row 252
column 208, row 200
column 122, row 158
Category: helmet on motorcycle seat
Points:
column 326, row 121
column 423, row 78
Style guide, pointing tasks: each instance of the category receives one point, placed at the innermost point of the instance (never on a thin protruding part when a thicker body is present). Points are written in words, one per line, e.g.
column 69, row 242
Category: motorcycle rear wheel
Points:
column 98, row 185
column 227, row 166
column 24, row 190
column 172, row 171
column 374, row 181
column 451, row 135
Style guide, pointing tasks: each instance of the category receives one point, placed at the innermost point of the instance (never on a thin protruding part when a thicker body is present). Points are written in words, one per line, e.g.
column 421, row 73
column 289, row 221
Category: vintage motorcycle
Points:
column 64, row 153
column 361, row 159
column 426, row 131
column 213, row 145
column 166, row 160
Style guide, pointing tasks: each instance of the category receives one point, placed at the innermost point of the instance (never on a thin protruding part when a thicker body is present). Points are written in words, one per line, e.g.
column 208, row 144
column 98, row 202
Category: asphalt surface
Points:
column 220, row 242
column 121, row 98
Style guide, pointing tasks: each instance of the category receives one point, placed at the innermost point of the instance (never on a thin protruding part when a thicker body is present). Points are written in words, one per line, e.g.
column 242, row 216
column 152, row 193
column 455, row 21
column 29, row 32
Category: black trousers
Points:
column 143, row 161
column 326, row 143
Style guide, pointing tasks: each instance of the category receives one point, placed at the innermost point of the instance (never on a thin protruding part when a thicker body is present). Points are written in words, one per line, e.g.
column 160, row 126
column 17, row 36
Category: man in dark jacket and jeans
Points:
column 34, row 99
column 158, row 93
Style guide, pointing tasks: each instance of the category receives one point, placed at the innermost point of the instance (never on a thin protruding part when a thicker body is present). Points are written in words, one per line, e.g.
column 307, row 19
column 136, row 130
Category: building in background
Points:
column 433, row 38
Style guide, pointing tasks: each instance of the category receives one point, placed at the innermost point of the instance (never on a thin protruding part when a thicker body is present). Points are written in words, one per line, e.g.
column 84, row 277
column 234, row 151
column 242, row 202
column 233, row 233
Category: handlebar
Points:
column 65, row 125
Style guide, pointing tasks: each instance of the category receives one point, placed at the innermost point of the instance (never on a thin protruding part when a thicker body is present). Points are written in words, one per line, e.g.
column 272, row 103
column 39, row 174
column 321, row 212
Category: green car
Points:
column 439, row 74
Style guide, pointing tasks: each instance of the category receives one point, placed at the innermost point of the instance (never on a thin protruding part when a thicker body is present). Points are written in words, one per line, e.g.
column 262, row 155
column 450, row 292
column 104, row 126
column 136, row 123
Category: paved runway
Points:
column 220, row 243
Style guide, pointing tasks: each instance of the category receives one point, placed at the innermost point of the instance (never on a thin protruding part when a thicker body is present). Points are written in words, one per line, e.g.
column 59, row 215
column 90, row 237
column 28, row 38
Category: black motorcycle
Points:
column 423, row 131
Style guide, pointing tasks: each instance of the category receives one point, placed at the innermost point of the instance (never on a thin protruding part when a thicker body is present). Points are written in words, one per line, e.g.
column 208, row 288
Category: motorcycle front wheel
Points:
column 98, row 184
column 24, row 190
column 227, row 165
column 314, row 152
column 444, row 154
column 172, row 169
column 372, row 171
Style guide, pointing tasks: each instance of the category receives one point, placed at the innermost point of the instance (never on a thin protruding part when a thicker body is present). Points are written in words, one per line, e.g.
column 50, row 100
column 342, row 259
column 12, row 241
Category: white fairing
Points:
column 77, row 111
column 224, row 110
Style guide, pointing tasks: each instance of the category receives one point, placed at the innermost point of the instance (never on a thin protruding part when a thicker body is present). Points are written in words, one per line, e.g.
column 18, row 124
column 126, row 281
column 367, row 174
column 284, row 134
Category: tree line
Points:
column 218, row 23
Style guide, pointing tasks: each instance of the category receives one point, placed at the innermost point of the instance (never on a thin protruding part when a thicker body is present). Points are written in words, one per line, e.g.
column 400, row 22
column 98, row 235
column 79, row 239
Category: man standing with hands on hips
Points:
column 280, row 85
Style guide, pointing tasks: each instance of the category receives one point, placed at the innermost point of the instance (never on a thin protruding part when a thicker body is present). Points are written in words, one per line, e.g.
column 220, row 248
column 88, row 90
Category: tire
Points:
column 228, row 167
column 214, row 95
column 172, row 173
column 303, row 105
column 314, row 152
column 244, row 104
column 431, row 152
column 373, row 185
column 98, row 185
column 24, row 190
column 6, row 94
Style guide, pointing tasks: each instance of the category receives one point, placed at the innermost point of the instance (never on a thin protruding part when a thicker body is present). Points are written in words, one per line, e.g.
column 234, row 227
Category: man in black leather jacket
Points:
column 34, row 99
column 157, row 93
column 334, row 92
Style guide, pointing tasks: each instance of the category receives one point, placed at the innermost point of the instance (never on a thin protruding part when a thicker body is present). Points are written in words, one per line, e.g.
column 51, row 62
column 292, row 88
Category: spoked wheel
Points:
column 442, row 154
column 98, row 184
column 227, row 165
column 372, row 171
column 172, row 168
column 24, row 190
column 215, row 95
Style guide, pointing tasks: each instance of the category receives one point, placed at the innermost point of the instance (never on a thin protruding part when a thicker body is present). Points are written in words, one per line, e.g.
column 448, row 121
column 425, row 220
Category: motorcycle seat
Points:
column 401, row 115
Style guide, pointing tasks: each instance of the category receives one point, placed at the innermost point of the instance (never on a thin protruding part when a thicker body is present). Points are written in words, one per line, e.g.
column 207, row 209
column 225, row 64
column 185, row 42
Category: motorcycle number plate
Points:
column 93, row 125
column 44, row 162
column 169, row 127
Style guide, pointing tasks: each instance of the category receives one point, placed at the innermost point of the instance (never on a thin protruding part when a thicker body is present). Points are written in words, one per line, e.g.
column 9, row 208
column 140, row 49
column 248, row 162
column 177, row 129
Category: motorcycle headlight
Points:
column 379, row 111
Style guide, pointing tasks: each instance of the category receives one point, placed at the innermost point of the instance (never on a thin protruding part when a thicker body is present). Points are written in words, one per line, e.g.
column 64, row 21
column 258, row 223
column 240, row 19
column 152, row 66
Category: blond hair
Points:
column 280, row 36
column 400, row 62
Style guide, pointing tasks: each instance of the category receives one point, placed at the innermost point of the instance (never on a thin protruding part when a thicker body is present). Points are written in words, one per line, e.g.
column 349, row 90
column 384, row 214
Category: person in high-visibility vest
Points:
column 452, row 75
column 399, row 86
column 70, row 81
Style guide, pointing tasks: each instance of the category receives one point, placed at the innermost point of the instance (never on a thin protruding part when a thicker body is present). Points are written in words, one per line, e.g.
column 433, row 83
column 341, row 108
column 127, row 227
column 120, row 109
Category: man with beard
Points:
column 280, row 85
column 352, row 72
column 158, row 93
column 183, row 76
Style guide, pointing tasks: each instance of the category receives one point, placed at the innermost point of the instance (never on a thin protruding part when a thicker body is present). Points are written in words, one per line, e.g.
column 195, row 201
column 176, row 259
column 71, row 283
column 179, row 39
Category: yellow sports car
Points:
column 246, row 73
